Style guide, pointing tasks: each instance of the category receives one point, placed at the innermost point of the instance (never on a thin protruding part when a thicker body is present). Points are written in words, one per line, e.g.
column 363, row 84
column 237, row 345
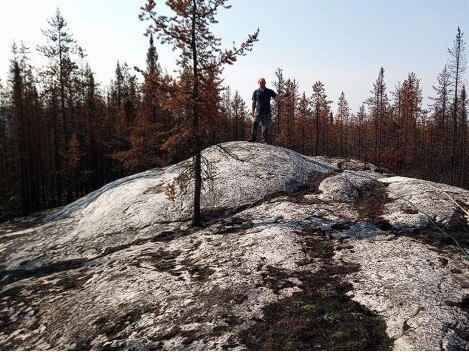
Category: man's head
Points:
column 261, row 82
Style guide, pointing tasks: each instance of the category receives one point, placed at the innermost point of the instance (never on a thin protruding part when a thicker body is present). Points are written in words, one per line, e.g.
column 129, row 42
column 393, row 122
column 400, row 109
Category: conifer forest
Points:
column 62, row 135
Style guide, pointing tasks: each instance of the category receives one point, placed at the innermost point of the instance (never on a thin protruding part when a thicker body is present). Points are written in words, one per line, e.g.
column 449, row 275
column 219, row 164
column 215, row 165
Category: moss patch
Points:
column 321, row 316
column 439, row 239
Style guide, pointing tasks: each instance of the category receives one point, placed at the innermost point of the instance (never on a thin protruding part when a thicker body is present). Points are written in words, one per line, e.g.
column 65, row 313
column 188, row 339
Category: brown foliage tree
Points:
column 200, row 57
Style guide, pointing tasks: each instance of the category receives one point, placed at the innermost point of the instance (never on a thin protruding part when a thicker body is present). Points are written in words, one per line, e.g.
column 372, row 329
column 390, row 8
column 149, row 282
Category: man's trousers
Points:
column 264, row 119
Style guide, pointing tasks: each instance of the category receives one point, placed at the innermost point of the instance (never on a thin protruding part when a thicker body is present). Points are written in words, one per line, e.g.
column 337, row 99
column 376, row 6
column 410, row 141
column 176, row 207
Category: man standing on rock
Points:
column 261, row 111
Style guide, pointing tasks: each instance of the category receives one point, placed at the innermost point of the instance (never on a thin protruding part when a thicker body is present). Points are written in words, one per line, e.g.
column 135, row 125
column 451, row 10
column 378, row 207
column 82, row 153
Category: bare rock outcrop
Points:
column 297, row 253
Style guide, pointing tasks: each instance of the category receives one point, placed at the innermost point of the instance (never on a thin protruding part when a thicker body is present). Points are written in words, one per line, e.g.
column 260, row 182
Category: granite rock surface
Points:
column 122, row 268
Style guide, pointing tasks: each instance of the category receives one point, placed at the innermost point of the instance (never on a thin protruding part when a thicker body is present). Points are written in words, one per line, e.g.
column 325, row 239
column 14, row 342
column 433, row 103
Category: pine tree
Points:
column 441, row 125
column 124, row 100
column 342, row 118
column 278, row 112
column 235, row 114
column 303, row 130
column 59, row 50
column 290, row 105
column 457, row 67
column 379, row 108
column 26, row 145
column 4, row 112
column 361, row 119
column 4, row 143
column 189, row 31
column 321, row 109
column 19, row 134
column 226, row 107
column 240, row 114
column 58, row 77
column 463, row 140
column 95, row 131
column 147, row 133
column 212, row 123
column 153, row 66
column 407, row 111
column 71, row 171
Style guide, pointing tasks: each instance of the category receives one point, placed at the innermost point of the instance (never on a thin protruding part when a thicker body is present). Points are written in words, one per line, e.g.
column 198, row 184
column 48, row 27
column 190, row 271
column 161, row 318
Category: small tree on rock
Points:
column 188, row 30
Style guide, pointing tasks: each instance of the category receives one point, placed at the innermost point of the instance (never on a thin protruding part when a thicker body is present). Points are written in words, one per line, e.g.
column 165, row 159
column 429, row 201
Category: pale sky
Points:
column 342, row 43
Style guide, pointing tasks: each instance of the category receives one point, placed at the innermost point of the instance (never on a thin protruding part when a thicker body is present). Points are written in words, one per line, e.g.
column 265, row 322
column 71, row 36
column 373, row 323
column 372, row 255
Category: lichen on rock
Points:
column 346, row 248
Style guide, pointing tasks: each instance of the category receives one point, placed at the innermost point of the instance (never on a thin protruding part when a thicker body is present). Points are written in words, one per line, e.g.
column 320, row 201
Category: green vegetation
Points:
column 321, row 317
column 436, row 237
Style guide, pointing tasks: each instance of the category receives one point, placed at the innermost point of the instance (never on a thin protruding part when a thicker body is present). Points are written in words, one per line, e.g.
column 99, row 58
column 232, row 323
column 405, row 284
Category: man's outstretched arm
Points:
column 280, row 96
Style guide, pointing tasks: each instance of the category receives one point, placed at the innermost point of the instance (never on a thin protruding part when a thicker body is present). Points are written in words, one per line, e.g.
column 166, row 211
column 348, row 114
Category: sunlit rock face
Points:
column 294, row 245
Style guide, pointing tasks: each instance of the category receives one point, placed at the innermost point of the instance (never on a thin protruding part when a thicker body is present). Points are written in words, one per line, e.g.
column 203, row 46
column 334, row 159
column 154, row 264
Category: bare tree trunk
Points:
column 196, row 218
column 316, row 151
